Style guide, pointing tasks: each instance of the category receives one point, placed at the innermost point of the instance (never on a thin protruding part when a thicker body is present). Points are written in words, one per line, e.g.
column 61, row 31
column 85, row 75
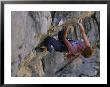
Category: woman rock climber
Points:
column 74, row 47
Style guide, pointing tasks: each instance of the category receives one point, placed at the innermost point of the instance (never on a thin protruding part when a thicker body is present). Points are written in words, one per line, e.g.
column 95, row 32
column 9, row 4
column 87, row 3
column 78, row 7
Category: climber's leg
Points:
column 46, row 44
column 53, row 44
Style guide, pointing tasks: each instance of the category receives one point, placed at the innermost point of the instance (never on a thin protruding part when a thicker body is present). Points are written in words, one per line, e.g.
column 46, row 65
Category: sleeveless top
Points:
column 78, row 45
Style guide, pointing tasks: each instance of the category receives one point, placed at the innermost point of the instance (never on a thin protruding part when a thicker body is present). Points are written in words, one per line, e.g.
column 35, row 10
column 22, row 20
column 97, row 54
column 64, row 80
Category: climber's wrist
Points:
column 80, row 24
column 83, row 32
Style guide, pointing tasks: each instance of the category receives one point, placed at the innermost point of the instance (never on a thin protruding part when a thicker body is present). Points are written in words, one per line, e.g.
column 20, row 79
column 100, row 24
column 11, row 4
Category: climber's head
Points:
column 87, row 52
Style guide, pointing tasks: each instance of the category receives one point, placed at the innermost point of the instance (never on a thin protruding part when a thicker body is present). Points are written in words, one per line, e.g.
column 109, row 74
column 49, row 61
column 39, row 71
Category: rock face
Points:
column 27, row 29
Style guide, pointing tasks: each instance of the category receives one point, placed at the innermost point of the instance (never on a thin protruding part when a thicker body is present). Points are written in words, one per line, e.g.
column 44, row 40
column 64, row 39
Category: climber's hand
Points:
column 82, row 30
column 65, row 27
column 79, row 21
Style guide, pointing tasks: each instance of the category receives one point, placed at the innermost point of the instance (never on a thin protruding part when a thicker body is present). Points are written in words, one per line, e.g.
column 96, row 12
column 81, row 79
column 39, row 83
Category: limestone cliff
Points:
column 27, row 29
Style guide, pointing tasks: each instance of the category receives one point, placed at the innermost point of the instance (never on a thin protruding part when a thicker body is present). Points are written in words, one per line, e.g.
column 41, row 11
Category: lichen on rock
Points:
column 29, row 28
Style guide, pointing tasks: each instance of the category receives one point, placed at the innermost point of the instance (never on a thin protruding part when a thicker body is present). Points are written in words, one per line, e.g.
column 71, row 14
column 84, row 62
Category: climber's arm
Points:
column 86, row 41
column 67, row 43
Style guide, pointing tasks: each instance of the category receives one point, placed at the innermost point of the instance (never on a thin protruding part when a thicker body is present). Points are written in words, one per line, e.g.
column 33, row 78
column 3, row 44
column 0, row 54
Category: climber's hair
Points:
column 87, row 52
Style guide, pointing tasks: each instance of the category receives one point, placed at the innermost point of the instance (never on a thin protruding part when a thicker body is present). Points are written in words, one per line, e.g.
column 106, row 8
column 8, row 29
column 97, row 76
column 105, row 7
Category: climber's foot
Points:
column 40, row 49
column 44, row 49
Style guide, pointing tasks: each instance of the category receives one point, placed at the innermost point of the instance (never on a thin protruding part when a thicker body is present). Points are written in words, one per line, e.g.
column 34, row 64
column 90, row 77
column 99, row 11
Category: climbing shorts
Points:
column 53, row 44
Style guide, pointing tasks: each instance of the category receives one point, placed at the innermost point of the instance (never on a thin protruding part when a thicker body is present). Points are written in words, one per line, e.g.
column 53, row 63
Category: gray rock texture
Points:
column 26, row 32
column 26, row 27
